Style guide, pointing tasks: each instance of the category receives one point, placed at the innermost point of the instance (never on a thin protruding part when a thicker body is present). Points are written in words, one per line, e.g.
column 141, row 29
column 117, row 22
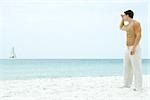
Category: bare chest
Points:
column 130, row 28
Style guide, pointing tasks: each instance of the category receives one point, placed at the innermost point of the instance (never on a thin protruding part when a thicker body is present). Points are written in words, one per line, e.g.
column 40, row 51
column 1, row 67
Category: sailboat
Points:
column 13, row 55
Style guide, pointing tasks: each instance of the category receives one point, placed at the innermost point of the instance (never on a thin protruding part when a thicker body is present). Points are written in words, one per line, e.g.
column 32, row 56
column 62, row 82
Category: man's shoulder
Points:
column 136, row 22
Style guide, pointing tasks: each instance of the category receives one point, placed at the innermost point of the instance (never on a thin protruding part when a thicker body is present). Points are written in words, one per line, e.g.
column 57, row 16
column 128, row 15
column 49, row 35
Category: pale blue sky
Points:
column 68, row 29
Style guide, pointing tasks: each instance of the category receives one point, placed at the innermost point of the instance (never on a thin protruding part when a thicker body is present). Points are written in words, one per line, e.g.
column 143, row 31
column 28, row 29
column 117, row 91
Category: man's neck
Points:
column 130, row 20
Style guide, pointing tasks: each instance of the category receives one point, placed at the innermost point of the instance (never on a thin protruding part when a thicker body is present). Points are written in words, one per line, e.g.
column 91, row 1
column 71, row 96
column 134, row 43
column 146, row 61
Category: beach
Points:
column 73, row 88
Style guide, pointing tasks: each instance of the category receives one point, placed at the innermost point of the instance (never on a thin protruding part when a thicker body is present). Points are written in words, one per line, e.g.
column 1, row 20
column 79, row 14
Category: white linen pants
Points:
column 132, row 64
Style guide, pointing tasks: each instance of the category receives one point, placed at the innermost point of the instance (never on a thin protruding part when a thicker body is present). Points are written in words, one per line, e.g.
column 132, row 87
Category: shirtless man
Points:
column 132, row 60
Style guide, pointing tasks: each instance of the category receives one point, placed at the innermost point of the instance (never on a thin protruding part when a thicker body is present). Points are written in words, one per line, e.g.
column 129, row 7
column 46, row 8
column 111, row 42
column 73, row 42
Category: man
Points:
column 132, row 60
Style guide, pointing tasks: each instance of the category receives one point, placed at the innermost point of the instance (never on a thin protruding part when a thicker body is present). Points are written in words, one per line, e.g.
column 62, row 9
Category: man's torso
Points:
column 131, row 36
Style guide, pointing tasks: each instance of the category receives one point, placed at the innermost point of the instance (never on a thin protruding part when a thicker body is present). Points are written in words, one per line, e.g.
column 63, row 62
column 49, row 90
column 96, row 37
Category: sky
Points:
column 69, row 29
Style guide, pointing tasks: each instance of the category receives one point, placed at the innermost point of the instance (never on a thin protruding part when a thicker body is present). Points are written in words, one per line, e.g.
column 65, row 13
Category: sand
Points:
column 72, row 88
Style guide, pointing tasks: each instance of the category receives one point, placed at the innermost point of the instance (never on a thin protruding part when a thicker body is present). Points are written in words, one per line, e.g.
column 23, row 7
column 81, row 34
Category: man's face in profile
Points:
column 124, row 17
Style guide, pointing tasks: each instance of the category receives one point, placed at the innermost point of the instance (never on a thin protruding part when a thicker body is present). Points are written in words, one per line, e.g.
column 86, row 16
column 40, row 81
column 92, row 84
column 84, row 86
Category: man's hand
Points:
column 132, row 51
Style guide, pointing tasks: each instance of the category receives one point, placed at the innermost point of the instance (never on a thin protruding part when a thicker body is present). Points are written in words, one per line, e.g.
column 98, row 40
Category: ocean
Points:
column 16, row 69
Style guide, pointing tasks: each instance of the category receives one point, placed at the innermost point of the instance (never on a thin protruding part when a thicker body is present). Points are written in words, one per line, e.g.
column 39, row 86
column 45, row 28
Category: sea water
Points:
column 44, row 68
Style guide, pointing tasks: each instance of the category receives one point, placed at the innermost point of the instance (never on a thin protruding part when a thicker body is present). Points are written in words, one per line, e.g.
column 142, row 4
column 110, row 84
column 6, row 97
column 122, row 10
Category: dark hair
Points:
column 130, row 13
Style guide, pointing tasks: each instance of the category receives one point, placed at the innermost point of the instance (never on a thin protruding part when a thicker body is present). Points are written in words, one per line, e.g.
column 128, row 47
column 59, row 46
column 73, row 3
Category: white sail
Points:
column 13, row 55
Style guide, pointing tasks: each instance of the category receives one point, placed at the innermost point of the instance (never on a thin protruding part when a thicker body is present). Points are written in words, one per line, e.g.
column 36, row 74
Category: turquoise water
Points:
column 43, row 68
